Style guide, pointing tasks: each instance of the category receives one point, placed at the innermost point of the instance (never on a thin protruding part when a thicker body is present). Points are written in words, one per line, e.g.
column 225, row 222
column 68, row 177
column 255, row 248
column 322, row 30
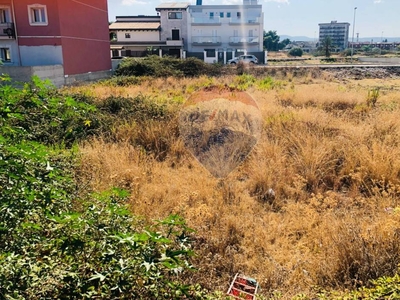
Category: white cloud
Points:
column 132, row 2
column 378, row 1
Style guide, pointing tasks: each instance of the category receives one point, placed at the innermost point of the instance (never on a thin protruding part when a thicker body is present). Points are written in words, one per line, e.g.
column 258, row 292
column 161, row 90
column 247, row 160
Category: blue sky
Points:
column 374, row 18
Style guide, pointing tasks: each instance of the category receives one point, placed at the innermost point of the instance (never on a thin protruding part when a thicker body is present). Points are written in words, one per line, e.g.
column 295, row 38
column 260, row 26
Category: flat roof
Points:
column 335, row 23
column 138, row 17
column 173, row 5
column 135, row 25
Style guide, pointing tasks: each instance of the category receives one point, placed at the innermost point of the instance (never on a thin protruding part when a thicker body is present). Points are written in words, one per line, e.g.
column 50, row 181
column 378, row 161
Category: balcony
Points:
column 245, row 21
column 7, row 31
column 206, row 40
column 243, row 40
column 211, row 21
column 171, row 42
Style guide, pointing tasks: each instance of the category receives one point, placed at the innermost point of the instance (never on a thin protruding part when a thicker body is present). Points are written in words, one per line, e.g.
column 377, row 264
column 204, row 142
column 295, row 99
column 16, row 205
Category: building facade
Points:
column 135, row 36
column 213, row 33
column 217, row 33
column 70, row 33
column 337, row 31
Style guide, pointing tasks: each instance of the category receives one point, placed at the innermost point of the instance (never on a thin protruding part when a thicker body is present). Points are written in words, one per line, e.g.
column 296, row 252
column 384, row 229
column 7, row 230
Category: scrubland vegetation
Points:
column 84, row 223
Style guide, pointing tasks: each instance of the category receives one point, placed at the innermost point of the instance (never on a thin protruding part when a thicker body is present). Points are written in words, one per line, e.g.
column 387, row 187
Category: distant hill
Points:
column 296, row 38
column 366, row 39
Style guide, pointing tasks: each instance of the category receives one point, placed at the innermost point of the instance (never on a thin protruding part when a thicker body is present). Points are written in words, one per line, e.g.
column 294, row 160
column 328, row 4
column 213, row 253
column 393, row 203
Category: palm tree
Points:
column 326, row 46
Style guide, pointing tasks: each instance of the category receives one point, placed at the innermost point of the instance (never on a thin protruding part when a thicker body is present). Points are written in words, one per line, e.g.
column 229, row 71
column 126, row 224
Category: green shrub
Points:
column 122, row 81
column 44, row 113
column 296, row 52
column 58, row 242
column 166, row 66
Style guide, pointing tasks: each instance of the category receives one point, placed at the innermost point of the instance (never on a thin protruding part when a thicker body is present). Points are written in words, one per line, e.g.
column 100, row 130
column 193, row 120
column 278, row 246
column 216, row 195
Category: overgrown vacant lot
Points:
column 329, row 149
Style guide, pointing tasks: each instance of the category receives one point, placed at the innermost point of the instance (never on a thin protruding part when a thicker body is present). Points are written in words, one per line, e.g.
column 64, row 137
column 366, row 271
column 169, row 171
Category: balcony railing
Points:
column 206, row 40
column 245, row 20
column 243, row 40
column 171, row 42
column 7, row 30
column 206, row 21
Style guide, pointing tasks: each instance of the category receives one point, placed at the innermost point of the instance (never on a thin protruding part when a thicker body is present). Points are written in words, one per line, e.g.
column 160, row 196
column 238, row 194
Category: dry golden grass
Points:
column 332, row 161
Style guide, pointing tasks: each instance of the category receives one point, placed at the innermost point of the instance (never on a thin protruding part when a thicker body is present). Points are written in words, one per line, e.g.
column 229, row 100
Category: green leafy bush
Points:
column 296, row 52
column 43, row 113
column 60, row 243
column 167, row 66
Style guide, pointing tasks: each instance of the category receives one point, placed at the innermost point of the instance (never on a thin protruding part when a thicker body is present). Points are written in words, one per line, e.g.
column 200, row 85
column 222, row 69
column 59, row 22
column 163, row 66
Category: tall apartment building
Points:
column 55, row 32
column 337, row 31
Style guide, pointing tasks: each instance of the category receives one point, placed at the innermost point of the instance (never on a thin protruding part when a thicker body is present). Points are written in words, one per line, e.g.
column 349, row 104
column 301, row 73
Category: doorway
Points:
column 175, row 35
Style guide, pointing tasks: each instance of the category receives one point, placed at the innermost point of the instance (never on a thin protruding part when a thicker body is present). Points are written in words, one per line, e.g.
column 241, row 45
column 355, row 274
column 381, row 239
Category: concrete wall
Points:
column 380, row 60
column 115, row 63
column 54, row 73
column 92, row 76
column 41, row 55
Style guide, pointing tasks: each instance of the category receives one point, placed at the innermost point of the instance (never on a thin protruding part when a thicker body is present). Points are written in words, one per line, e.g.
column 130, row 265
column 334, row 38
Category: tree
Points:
column 326, row 46
column 296, row 52
column 271, row 40
column 366, row 48
column 284, row 43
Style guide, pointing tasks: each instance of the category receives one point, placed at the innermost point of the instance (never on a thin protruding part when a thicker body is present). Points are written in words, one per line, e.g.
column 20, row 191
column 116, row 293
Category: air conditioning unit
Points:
column 9, row 32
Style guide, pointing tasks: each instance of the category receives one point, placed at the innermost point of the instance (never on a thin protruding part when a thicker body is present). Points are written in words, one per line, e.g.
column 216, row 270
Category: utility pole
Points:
column 352, row 39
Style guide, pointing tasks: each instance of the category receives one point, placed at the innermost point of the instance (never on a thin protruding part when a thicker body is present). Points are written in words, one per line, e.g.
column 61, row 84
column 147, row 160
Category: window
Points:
column 251, row 32
column 228, row 14
column 127, row 35
column 211, row 15
column 5, row 15
column 210, row 52
column 221, row 14
column 37, row 15
column 238, row 14
column 174, row 15
column 5, row 55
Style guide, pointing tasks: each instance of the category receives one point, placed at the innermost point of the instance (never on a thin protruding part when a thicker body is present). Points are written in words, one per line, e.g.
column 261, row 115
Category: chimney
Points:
column 199, row 2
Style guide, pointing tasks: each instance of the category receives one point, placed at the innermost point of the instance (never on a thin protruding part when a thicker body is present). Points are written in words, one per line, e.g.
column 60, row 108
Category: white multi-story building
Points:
column 337, row 31
column 219, row 32
column 213, row 33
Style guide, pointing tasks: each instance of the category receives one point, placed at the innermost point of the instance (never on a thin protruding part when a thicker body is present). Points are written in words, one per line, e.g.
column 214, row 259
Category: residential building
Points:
column 217, row 33
column 135, row 36
column 174, row 26
column 213, row 33
column 141, row 35
column 337, row 31
column 55, row 32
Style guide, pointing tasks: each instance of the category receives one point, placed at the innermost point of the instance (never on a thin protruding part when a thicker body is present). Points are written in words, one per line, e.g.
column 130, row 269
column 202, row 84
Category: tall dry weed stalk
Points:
column 335, row 173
